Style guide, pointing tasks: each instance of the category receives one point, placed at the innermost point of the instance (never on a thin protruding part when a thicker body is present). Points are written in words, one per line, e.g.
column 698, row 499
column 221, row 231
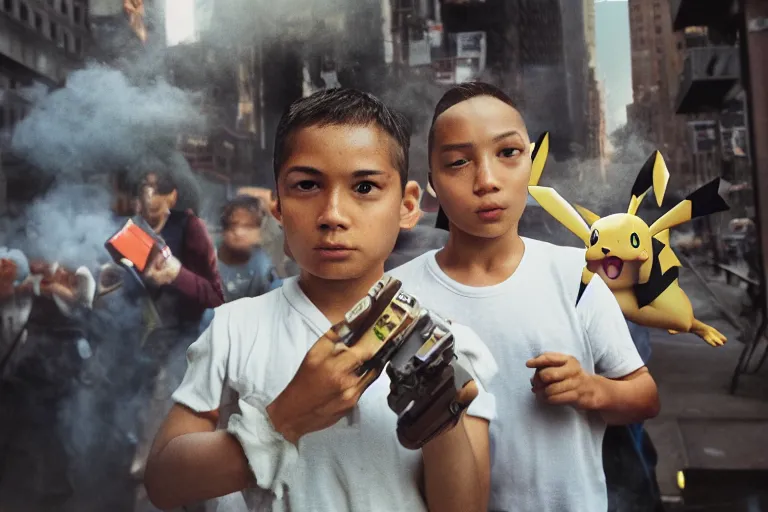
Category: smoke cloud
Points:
column 69, row 226
column 102, row 122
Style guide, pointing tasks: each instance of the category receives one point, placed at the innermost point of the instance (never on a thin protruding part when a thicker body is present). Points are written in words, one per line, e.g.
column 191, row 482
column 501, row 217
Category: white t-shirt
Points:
column 544, row 458
column 255, row 345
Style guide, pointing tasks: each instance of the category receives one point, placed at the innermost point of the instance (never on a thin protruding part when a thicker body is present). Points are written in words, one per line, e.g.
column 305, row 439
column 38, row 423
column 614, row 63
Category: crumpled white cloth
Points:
column 271, row 457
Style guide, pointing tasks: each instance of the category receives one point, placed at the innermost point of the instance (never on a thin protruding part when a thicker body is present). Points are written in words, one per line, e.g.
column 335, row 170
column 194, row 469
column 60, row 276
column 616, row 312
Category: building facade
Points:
column 657, row 60
column 41, row 42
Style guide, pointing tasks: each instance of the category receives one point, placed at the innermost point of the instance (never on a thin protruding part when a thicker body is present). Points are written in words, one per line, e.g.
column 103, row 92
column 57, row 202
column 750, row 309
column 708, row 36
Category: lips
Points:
column 333, row 247
column 612, row 266
column 489, row 208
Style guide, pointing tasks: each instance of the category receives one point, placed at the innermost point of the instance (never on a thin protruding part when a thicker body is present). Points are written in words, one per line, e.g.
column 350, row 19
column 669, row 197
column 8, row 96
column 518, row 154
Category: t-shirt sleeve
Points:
column 475, row 357
column 613, row 351
column 207, row 362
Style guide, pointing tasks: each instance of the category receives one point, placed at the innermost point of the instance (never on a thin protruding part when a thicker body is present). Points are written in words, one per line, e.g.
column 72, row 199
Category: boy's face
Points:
column 481, row 165
column 340, row 200
column 243, row 233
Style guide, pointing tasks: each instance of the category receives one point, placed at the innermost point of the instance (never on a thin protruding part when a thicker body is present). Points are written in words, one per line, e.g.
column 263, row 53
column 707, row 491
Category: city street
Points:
column 701, row 425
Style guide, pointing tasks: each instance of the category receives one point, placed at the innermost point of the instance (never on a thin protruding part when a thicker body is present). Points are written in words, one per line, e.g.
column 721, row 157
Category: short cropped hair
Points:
column 343, row 107
column 250, row 204
column 453, row 97
column 462, row 93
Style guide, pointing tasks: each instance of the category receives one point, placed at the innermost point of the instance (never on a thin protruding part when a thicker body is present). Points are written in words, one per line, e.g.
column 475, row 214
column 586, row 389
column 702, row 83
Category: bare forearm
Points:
column 195, row 467
column 450, row 473
column 627, row 401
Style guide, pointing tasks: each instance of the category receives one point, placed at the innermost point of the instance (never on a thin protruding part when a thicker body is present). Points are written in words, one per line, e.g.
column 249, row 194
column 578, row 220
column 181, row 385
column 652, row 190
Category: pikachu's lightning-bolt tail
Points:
column 539, row 157
column 654, row 173
column 561, row 210
column 703, row 201
column 667, row 257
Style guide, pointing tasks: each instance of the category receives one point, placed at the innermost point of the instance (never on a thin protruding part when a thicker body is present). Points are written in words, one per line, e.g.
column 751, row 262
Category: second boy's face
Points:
column 340, row 200
column 481, row 165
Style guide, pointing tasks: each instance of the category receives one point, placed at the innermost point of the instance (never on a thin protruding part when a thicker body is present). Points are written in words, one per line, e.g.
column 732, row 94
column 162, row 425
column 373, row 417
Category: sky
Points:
column 179, row 21
column 614, row 66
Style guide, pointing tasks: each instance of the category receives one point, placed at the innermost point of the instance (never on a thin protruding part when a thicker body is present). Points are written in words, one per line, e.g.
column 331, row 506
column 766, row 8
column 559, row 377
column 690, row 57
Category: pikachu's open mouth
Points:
column 612, row 266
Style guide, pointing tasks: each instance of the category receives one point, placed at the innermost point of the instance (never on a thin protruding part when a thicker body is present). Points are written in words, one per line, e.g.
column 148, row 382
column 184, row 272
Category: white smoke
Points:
column 102, row 122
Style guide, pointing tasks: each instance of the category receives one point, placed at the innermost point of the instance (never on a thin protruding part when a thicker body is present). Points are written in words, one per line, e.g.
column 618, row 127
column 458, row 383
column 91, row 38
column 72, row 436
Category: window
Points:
column 8, row 5
column 77, row 11
column 64, row 7
column 658, row 29
column 2, row 118
column 65, row 41
column 23, row 12
column 38, row 21
column 78, row 46
column 53, row 32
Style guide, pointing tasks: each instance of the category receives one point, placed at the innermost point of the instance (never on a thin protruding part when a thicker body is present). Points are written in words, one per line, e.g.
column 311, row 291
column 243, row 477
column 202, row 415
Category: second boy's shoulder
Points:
column 563, row 263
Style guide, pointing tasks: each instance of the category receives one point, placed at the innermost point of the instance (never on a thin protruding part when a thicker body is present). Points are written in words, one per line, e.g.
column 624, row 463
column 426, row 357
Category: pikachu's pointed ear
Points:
column 660, row 177
column 539, row 152
column 590, row 217
column 561, row 210
column 703, row 201
column 654, row 174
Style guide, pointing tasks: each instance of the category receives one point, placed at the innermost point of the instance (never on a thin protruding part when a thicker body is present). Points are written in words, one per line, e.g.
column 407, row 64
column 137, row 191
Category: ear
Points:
column 173, row 198
column 539, row 152
column 590, row 217
column 562, row 211
column 660, row 178
column 274, row 209
column 410, row 211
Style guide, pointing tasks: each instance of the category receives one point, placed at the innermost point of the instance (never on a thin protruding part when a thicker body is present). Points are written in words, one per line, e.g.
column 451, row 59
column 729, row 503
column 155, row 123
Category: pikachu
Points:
column 635, row 260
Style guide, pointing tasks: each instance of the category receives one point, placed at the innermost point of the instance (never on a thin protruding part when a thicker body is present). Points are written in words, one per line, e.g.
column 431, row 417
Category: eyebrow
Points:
column 361, row 173
column 466, row 145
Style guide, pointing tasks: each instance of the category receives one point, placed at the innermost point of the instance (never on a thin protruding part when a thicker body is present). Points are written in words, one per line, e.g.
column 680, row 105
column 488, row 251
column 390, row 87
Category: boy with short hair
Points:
column 569, row 369
column 341, row 169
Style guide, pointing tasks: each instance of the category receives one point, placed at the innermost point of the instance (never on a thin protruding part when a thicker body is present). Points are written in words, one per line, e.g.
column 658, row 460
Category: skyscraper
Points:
column 656, row 63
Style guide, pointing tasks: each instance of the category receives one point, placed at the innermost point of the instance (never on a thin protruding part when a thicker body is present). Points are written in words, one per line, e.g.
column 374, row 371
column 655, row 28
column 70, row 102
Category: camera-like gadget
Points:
column 137, row 243
column 419, row 347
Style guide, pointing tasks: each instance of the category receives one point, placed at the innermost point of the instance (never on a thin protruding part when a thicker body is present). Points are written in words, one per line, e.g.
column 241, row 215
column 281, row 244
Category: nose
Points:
column 605, row 250
column 333, row 215
column 485, row 179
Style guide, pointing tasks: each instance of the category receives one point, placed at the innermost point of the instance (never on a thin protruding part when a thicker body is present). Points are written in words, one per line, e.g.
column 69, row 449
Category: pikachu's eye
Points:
column 634, row 240
column 594, row 237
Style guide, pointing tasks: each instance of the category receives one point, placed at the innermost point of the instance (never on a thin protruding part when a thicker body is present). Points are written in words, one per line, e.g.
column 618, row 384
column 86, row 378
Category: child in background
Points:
column 245, row 267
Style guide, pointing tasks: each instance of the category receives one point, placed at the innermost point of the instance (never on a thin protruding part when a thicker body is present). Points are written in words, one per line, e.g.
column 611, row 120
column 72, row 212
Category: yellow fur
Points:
column 620, row 249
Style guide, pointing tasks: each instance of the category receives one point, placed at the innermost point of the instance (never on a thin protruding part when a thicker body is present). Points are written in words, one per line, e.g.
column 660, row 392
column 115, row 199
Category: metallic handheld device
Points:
column 419, row 347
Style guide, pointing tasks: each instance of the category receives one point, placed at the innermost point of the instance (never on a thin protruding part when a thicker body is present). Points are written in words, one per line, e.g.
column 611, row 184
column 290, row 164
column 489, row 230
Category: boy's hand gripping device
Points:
column 428, row 390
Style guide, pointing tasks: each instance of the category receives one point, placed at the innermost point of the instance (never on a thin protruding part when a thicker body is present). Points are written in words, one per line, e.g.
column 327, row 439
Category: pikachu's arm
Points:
column 677, row 317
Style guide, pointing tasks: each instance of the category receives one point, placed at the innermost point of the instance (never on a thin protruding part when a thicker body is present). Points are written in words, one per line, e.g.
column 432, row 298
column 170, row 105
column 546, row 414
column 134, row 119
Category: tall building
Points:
column 251, row 62
column 580, row 51
column 526, row 58
column 41, row 42
column 713, row 95
column 657, row 55
column 124, row 28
